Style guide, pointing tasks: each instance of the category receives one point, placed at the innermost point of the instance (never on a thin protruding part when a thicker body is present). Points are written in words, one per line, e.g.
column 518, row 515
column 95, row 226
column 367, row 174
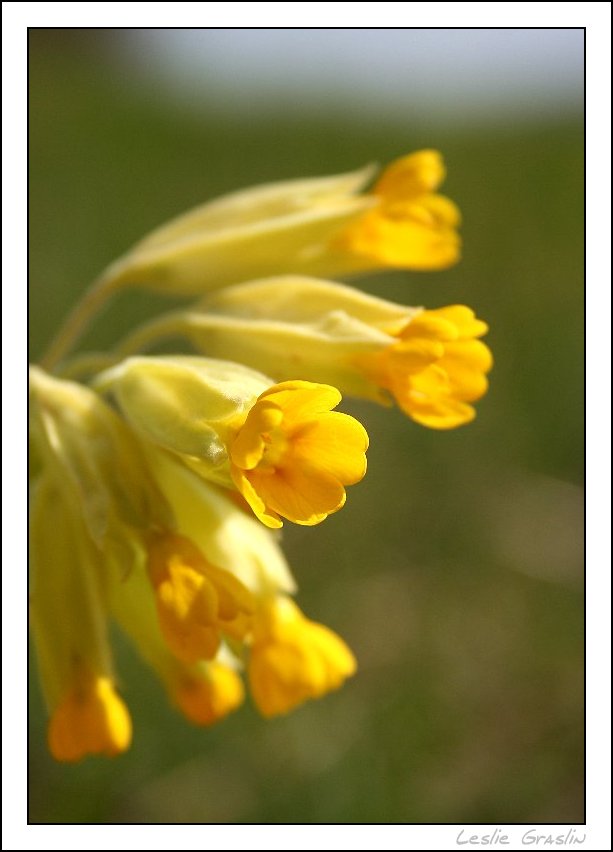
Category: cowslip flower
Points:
column 289, row 659
column 329, row 227
column 293, row 659
column 430, row 362
column 316, row 226
column 411, row 226
column 281, row 446
column 87, row 715
column 437, row 367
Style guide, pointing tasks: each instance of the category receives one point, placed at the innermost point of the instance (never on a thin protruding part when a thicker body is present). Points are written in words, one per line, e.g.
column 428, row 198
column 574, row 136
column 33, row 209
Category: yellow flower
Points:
column 282, row 447
column 195, row 601
column 68, row 621
column 293, row 455
column 315, row 226
column 411, row 227
column 91, row 719
column 437, row 367
column 429, row 361
column 293, row 659
column 206, row 699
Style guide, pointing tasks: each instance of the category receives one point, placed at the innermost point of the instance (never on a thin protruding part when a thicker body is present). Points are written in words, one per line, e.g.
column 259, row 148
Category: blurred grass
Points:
column 455, row 571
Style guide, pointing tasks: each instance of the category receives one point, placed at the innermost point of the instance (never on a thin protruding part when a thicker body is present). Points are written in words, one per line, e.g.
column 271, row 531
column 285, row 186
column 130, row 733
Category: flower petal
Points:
column 335, row 443
column 302, row 400
column 302, row 495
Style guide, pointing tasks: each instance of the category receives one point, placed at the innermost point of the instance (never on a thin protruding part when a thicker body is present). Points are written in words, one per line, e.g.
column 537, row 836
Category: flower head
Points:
column 68, row 619
column 315, row 226
column 281, row 446
column 91, row 719
column 217, row 691
column 196, row 601
column 293, row 455
column 293, row 659
column 437, row 367
column 430, row 362
column 411, row 226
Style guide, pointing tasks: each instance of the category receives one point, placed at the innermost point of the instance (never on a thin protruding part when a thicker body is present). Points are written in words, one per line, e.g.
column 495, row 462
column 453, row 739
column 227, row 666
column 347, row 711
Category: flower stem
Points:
column 149, row 333
column 77, row 320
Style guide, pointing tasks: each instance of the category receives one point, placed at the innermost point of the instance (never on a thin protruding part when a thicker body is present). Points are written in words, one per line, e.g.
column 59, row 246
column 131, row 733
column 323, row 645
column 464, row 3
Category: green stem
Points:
column 80, row 366
column 152, row 332
column 77, row 320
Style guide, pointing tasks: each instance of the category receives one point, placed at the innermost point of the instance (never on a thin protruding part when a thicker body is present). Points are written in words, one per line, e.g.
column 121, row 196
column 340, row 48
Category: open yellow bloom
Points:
column 281, row 446
column 293, row 659
column 293, row 455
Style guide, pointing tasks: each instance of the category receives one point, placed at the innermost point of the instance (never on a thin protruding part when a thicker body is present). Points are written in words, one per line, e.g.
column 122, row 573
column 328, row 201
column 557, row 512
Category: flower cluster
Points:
column 162, row 479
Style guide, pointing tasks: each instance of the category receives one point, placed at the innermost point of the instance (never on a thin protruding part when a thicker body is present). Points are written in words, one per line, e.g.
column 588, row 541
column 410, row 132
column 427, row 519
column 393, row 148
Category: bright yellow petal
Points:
column 403, row 243
column 294, row 659
column 207, row 698
column 442, row 209
column 248, row 447
column 447, row 414
column 92, row 719
column 422, row 171
column 464, row 319
column 263, row 512
column 302, row 400
column 430, row 326
column 335, row 443
column 466, row 363
column 302, row 495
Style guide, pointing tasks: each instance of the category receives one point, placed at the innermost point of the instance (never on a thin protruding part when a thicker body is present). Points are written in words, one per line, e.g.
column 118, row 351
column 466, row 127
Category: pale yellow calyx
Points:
column 437, row 367
column 411, row 227
column 195, row 601
column 186, row 404
column 97, row 463
column 90, row 719
column 292, row 455
column 209, row 694
column 247, row 234
column 294, row 659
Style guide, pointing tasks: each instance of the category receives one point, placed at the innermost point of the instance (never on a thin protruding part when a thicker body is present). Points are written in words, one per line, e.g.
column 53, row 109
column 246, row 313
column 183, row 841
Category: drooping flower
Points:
column 430, row 362
column 68, row 621
column 281, row 446
column 128, row 555
column 437, row 368
column 196, row 601
column 324, row 226
column 293, row 659
column 411, row 226
column 217, row 691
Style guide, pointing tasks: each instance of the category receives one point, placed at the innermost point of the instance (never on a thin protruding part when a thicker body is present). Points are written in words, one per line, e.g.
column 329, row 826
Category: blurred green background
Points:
column 455, row 570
